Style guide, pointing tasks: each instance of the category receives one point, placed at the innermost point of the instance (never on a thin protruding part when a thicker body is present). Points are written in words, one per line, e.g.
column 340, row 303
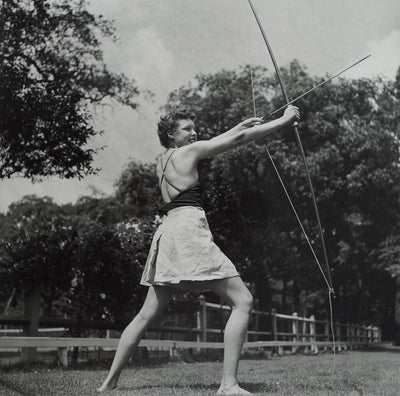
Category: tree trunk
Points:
column 284, row 295
column 31, row 329
column 263, row 292
column 9, row 301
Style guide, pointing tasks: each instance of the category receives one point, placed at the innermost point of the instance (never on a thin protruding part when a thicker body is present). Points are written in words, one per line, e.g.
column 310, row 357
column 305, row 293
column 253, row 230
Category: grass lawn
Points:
column 357, row 373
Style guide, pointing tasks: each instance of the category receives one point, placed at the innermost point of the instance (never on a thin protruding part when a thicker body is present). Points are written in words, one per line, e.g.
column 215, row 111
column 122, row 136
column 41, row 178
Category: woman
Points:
column 183, row 255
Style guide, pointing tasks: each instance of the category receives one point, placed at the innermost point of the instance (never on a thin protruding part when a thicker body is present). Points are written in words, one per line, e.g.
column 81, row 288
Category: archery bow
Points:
column 329, row 283
column 298, row 142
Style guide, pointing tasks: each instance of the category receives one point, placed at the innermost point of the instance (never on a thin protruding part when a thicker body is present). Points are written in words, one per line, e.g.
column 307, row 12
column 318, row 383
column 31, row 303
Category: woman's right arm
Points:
column 246, row 132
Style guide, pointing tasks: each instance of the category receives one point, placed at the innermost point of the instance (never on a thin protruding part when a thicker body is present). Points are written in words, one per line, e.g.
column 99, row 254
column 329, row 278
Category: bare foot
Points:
column 106, row 386
column 233, row 390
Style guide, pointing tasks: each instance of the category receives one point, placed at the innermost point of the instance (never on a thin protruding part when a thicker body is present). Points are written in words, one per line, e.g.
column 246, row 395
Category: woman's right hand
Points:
column 291, row 114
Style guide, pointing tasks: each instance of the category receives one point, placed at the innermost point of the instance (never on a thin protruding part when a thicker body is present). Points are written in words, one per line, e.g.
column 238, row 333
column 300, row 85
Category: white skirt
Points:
column 183, row 249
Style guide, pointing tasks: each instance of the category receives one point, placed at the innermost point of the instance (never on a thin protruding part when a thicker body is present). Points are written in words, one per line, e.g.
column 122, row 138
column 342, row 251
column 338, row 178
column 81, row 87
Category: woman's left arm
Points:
column 247, row 131
column 240, row 127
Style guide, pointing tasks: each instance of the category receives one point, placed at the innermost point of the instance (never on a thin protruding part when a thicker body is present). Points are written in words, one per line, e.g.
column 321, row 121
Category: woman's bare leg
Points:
column 157, row 299
column 235, row 293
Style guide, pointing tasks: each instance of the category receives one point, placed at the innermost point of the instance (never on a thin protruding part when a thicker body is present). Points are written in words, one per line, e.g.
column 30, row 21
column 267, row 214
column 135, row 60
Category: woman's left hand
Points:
column 250, row 122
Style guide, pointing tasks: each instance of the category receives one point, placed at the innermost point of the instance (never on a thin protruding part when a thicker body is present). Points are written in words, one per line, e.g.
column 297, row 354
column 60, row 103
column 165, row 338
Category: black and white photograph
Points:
column 199, row 197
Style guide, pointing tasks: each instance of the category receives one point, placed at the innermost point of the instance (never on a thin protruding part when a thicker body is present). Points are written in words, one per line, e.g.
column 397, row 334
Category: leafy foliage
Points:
column 86, row 266
column 52, row 68
column 137, row 188
column 105, row 276
column 36, row 249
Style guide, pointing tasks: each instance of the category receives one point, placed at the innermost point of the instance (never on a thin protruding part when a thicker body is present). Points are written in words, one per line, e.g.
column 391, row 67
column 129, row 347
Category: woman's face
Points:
column 184, row 133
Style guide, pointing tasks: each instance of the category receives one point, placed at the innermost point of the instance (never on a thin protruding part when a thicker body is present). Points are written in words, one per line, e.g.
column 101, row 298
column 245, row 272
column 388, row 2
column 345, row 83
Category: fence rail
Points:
column 267, row 330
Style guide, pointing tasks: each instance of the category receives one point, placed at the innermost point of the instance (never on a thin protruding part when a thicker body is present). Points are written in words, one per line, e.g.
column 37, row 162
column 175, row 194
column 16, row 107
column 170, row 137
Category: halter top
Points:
column 191, row 196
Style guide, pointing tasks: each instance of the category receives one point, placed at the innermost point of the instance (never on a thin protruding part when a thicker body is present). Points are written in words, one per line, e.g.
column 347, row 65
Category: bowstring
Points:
column 252, row 90
column 330, row 288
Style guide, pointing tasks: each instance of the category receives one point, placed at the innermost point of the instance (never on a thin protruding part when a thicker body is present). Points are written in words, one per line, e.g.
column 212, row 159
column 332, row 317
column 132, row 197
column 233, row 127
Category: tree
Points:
column 107, row 210
column 51, row 70
column 105, row 275
column 137, row 188
column 350, row 133
column 35, row 254
column 88, row 268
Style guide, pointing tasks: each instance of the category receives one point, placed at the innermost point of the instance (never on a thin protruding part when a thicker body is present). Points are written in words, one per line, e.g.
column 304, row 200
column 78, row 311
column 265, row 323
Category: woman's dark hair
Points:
column 167, row 124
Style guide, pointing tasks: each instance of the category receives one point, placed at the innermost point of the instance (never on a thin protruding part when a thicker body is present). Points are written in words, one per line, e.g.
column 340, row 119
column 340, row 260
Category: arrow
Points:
column 314, row 88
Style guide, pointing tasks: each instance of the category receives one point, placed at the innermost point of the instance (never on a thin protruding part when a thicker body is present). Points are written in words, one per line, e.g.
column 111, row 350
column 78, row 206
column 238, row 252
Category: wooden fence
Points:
column 286, row 330
column 283, row 333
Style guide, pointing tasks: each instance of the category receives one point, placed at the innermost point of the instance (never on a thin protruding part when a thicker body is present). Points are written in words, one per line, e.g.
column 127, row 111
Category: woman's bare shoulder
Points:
column 183, row 159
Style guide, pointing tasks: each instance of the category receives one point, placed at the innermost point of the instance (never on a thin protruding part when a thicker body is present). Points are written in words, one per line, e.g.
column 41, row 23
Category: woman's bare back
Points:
column 176, row 173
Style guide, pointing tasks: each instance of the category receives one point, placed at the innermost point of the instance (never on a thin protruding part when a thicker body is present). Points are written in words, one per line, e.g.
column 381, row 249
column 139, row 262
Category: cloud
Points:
column 385, row 59
column 143, row 56
column 61, row 191
column 149, row 49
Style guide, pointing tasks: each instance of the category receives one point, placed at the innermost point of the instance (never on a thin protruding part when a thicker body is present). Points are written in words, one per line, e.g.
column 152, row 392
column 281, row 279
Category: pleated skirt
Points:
column 183, row 249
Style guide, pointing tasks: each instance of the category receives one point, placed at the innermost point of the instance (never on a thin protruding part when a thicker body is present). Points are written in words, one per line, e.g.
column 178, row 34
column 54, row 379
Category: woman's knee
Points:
column 156, row 300
column 147, row 314
column 246, row 302
column 235, row 293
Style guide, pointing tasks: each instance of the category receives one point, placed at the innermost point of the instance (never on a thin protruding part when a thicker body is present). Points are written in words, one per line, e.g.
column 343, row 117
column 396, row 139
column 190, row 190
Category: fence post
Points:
column 198, row 324
column 326, row 334
column 350, row 339
column 62, row 355
column 202, row 318
column 370, row 338
column 379, row 334
column 372, row 334
column 338, row 336
column 274, row 330
column 362, row 336
column 376, row 334
column 295, row 331
column 358, row 336
column 257, row 320
column 351, row 335
column 304, row 335
column 173, row 353
column 347, row 336
column 314, row 347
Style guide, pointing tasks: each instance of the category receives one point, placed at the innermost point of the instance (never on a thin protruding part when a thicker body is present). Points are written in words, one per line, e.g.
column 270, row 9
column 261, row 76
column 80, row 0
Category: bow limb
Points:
column 299, row 143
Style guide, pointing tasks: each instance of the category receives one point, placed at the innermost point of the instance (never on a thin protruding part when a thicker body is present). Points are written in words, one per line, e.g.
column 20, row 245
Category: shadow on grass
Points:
column 251, row 387
column 82, row 366
column 391, row 349
column 10, row 386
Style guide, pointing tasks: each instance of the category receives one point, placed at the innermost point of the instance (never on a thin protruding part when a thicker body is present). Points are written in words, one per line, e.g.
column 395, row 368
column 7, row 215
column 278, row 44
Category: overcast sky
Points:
column 165, row 43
